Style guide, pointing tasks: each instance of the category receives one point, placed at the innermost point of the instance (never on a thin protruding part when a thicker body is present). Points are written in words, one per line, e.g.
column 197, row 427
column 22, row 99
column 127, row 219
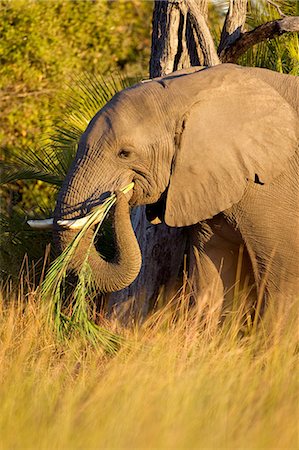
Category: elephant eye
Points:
column 124, row 154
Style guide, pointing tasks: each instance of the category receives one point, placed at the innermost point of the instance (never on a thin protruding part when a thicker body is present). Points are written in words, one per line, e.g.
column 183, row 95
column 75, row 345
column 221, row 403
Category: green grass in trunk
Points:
column 52, row 287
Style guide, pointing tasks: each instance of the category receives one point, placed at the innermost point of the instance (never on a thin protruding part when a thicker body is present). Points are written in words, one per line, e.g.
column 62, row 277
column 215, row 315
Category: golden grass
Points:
column 183, row 382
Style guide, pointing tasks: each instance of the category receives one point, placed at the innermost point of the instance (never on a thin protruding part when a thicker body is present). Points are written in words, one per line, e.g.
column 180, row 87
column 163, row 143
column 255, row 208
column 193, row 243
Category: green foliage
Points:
column 18, row 240
column 281, row 53
column 43, row 45
column 78, row 314
column 44, row 48
column 49, row 164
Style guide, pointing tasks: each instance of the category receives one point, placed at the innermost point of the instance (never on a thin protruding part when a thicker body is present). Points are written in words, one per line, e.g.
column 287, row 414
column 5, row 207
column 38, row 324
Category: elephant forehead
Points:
column 140, row 105
column 125, row 117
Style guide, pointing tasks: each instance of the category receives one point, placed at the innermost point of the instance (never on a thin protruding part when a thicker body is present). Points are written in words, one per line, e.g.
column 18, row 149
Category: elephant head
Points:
column 190, row 141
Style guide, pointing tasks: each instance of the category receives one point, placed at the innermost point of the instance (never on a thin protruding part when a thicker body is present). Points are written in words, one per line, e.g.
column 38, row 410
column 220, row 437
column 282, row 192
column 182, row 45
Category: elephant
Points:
column 211, row 149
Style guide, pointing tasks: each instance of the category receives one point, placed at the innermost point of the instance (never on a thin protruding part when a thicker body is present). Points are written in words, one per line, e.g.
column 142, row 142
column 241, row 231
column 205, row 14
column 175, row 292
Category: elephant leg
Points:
column 206, row 287
column 221, row 266
column 204, row 277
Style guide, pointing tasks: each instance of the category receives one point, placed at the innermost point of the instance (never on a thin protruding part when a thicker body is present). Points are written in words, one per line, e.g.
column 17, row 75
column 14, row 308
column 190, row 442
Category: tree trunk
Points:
column 234, row 24
column 180, row 39
column 175, row 41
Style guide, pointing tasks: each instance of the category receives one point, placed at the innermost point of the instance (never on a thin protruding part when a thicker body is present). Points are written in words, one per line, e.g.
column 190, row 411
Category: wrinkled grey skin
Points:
column 220, row 146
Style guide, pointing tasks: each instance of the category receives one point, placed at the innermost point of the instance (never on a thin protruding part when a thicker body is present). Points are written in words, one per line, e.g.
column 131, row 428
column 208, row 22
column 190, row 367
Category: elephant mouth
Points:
column 145, row 189
column 76, row 216
column 155, row 212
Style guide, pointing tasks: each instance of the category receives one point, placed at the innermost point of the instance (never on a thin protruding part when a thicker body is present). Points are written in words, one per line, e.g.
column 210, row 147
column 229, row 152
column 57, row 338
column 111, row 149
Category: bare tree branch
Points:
column 265, row 31
column 277, row 7
column 234, row 24
column 25, row 94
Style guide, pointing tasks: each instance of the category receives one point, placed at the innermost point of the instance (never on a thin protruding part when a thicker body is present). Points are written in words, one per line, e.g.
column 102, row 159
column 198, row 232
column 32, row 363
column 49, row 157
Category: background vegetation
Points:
column 44, row 46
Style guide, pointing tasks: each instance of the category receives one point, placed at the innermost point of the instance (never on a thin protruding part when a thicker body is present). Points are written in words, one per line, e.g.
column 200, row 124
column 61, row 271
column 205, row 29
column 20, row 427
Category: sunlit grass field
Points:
column 178, row 381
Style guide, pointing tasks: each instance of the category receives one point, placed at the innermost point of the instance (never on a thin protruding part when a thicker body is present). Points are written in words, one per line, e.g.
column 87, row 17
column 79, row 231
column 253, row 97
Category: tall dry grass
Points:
column 179, row 381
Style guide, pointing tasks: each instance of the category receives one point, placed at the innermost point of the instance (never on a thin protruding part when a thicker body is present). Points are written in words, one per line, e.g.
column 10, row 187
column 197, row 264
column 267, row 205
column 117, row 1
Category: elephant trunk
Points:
column 123, row 269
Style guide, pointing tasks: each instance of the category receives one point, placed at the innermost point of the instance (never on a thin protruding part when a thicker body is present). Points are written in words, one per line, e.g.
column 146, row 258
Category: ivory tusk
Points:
column 46, row 224
column 74, row 224
column 156, row 221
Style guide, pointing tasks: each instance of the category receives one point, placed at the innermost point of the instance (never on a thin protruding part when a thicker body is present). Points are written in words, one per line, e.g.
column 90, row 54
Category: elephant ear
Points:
column 239, row 132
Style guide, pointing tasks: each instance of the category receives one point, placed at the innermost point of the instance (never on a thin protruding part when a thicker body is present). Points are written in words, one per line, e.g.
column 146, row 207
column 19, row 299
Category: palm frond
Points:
column 51, row 162
column 11, row 173
column 90, row 94
column 27, row 164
